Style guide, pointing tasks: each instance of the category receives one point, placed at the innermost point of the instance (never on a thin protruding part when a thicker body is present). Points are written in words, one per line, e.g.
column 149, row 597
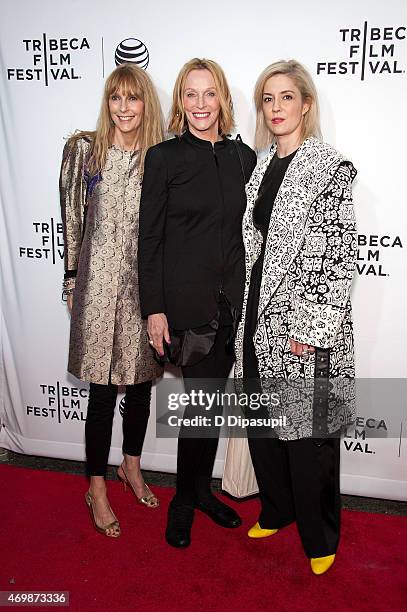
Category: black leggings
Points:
column 99, row 420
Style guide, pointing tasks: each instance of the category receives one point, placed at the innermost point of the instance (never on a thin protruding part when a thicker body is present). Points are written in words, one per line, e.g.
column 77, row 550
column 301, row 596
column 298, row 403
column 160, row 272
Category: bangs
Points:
column 127, row 82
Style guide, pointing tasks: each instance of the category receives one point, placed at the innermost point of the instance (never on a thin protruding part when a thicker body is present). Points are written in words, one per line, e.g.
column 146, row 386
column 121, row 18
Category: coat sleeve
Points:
column 72, row 190
column 153, row 211
column 326, row 264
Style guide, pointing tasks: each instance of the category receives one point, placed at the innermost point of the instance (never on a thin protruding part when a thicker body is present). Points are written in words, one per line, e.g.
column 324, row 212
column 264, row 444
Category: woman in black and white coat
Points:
column 300, row 240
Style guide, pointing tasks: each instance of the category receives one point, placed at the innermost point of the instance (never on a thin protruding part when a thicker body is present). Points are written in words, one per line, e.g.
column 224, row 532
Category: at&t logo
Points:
column 371, row 50
column 132, row 51
column 122, row 405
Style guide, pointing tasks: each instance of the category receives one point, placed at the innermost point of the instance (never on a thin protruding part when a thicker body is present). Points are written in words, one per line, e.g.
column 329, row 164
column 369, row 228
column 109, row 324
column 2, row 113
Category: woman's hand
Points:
column 157, row 329
column 301, row 350
column 69, row 302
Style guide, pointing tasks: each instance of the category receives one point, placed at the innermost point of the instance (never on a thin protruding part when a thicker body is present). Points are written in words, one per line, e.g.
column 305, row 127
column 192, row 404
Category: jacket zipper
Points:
column 222, row 219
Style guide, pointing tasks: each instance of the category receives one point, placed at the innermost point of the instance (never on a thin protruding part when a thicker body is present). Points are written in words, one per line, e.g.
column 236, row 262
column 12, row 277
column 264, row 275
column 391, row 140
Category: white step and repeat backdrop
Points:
column 54, row 59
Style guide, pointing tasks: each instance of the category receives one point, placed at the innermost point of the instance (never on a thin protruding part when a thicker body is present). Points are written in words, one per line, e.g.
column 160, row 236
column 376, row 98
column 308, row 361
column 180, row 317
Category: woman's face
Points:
column 201, row 104
column 283, row 107
column 126, row 112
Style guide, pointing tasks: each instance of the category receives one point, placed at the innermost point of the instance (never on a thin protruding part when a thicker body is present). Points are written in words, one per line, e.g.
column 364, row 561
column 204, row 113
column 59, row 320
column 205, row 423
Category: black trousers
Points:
column 99, row 420
column 299, row 481
column 196, row 456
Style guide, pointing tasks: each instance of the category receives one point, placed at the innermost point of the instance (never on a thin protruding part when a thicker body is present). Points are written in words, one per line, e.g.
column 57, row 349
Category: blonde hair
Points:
column 134, row 81
column 177, row 122
column 303, row 80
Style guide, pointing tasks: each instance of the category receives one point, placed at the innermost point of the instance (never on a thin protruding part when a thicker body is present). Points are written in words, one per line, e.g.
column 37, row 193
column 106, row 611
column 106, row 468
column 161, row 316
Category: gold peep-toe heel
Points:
column 113, row 527
column 150, row 500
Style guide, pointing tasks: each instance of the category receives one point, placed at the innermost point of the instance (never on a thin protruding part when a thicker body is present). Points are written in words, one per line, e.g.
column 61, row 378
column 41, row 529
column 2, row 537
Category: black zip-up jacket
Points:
column 190, row 236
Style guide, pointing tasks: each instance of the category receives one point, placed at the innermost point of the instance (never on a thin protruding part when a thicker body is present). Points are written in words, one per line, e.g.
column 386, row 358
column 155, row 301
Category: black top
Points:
column 190, row 235
column 272, row 179
column 263, row 207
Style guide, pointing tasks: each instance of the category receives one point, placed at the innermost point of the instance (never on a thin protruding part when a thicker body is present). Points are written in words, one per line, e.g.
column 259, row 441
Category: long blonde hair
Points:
column 134, row 81
column 177, row 122
column 303, row 80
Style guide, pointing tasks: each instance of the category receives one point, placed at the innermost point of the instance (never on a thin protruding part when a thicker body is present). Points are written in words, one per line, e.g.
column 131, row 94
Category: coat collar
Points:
column 193, row 140
column 307, row 176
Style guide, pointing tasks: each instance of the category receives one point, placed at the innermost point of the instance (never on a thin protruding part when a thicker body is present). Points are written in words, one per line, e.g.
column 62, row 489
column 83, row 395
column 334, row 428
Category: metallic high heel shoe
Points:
column 149, row 500
column 113, row 527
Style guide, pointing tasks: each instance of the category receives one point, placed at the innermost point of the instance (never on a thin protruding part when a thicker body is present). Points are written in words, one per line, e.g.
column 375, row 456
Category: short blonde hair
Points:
column 177, row 122
column 134, row 80
column 303, row 80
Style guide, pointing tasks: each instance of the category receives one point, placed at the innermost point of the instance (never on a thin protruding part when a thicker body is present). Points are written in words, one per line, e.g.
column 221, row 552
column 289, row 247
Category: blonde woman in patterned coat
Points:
column 100, row 188
column 300, row 241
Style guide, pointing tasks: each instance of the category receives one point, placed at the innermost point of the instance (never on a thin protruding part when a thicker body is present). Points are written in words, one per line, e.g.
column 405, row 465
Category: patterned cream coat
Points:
column 107, row 332
column 309, row 263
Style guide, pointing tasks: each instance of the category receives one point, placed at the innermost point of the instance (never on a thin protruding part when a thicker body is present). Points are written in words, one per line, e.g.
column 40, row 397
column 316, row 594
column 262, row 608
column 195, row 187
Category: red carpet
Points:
column 47, row 542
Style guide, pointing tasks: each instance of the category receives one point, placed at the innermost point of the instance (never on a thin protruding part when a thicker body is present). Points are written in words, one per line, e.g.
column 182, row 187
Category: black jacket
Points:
column 190, row 236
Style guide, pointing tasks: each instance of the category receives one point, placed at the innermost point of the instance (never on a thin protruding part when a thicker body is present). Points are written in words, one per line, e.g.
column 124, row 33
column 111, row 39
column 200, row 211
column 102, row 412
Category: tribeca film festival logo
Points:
column 49, row 242
column 370, row 250
column 354, row 439
column 60, row 403
column 370, row 51
column 50, row 59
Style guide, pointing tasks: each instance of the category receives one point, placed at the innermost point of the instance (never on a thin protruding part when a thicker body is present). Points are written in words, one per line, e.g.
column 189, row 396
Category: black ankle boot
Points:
column 179, row 523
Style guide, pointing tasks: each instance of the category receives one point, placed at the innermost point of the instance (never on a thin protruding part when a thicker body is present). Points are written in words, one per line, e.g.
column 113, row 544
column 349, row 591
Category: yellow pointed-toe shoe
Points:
column 320, row 565
column 257, row 532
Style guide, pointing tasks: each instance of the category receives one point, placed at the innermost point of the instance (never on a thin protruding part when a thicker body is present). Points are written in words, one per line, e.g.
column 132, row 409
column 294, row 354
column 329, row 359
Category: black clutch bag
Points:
column 172, row 353
column 187, row 346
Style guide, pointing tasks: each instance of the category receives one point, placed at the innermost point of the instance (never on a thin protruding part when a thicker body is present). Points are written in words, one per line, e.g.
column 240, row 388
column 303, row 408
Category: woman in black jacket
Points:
column 191, row 263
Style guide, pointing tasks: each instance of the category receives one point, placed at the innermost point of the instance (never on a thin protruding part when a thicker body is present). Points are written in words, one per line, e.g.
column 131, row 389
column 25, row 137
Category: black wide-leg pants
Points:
column 99, row 421
column 299, row 481
column 196, row 456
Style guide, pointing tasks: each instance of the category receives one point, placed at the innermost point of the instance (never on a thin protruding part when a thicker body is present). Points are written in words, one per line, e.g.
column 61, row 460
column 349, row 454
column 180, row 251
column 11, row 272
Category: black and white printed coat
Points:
column 309, row 263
